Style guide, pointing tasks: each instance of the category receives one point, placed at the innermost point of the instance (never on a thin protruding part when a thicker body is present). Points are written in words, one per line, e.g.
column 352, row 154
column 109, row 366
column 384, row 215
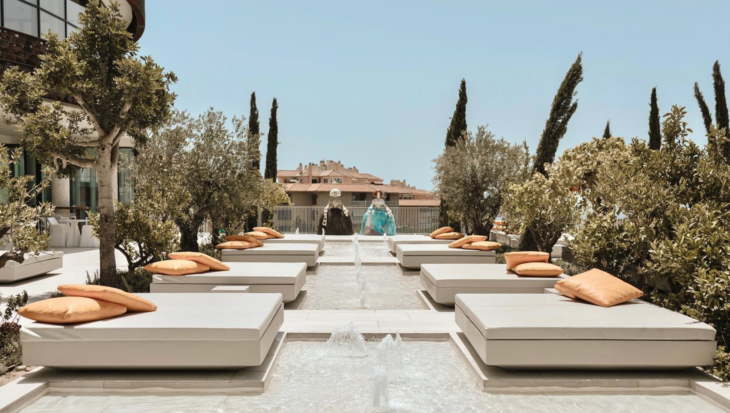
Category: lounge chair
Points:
column 286, row 279
column 306, row 253
column 396, row 240
column 444, row 281
column 298, row 239
column 414, row 255
column 536, row 331
column 32, row 266
column 188, row 331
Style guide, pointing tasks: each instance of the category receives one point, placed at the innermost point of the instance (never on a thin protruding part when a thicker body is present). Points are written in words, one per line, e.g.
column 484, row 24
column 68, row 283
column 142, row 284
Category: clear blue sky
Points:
column 373, row 84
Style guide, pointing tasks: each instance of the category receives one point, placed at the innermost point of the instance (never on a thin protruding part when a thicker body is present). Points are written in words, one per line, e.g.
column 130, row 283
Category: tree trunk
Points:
column 189, row 237
column 107, row 224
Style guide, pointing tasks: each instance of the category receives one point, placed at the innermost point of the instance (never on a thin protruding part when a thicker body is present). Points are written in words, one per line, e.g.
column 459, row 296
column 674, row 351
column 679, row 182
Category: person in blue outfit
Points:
column 379, row 219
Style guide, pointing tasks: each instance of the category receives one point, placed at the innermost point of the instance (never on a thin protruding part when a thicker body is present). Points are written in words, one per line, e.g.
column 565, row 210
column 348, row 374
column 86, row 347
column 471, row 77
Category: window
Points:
column 27, row 165
column 314, row 181
column 84, row 186
column 37, row 17
column 314, row 199
column 324, row 181
column 360, row 196
column 336, row 180
column 125, row 189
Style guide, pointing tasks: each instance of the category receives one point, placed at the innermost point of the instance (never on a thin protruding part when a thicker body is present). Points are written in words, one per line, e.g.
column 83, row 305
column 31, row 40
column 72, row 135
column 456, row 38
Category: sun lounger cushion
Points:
column 538, row 269
column 188, row 331
column 238, row 245
column 259, row 235
column 269, row 231
column 415, row 255
column 467, row 240
column 514, row 259
column 201, row 258
column 449, row 235
column 71, row 310
column 483, row 246
column 176, row 267
column 113, row 295
column 246, row 238
column 599, row 288
column 440, row 231
column 552, row 331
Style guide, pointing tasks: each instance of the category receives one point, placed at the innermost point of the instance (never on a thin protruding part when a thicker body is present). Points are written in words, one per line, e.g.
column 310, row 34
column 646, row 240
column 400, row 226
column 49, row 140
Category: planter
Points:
column 32, row 266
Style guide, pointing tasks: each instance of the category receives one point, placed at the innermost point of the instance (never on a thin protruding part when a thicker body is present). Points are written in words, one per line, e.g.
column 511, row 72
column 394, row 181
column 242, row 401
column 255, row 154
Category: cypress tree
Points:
column 655, row 134
column 706, row 115
column 254, row 134
column 721, row 111
column 562, row 110
column 607, row 131
column 455, row 132
column 457, row 127
column 272, row 144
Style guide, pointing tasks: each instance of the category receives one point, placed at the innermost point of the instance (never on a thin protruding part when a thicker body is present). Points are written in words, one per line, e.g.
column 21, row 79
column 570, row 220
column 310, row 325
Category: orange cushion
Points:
column 200, row 258
column 538, row 269
column 237, row 245
column 69, row 310
column 599, row 288
column 108, row 294
column 516, row 258
column 441, row 230
column 176, row 267
column 449, row 235
column 269, row 231
column 246, row 238
column 259, row 235
column 467, row 240
column 483, row 246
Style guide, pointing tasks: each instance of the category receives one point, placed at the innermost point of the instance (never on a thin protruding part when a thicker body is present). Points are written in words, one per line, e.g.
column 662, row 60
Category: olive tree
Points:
column 472, row 176
column 18, row 218
column 114, row 93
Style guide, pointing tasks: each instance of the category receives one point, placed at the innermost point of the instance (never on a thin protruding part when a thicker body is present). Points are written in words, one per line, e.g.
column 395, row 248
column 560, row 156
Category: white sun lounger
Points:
column 414, row 255
column 444, row 281
column 527, row 331
column 299, row 239
column 286, row 279
column 306, row 253
column 32, row 266
column 188, row 331
column 396, row 240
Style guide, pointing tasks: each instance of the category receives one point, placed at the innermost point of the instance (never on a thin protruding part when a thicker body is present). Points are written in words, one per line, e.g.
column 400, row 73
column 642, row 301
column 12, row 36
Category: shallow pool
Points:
column 335, row 287
column 415, row 377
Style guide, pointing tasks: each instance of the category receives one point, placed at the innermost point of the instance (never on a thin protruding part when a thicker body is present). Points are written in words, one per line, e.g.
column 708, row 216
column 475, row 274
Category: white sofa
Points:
column 395, row 240
column 32, row 266
column 188, row 331
column 306, row 253
column 444, row 281
column 549, row 331
column 415, row 255
column 286, row 279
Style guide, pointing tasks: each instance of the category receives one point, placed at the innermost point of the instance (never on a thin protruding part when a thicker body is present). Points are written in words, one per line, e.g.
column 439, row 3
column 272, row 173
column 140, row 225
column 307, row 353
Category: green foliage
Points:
column 10, row 349
column 254, row 136
column 272, row 143
column 607, row 131
column 473, row 175
column 655, row 135
column 19, row 221
column 659, row 219
column 137, row 281
column 457, row 127
column 706, row 115
column 721, row 109
column 115, row 94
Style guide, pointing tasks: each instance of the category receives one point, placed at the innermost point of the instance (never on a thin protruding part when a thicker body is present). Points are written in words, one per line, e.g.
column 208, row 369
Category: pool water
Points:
column 347, row 249
column 335, row 287
column 418, row 376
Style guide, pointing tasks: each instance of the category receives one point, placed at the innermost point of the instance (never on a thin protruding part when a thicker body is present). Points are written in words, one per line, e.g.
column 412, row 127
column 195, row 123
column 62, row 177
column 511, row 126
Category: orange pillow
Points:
column 238, row 245
column 259, row 235
column 176, row 267
column 269, row 231
column 538, row 269
column 246, row 238
column 599, row 288
column 441, row 230
column 108, row 294
column 516, row 258
column 483, row 246
column 467, row 240
column 449, row 235
column 200, row 258
column 70, row 310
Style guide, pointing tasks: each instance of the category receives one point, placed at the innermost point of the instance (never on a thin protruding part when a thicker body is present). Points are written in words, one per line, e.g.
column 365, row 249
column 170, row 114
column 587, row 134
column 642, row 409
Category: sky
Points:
column 374, row 84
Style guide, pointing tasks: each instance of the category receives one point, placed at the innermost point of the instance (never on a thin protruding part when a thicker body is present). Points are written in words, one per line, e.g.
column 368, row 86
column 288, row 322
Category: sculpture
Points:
column 378, row 220
column 336, row 218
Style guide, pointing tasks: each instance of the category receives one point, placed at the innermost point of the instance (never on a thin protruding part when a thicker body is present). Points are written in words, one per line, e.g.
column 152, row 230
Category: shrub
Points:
column 137, row 281
column 10, row 349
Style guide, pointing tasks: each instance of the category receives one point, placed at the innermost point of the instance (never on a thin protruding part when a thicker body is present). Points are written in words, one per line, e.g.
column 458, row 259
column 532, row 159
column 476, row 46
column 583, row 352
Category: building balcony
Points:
column 20, row 50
